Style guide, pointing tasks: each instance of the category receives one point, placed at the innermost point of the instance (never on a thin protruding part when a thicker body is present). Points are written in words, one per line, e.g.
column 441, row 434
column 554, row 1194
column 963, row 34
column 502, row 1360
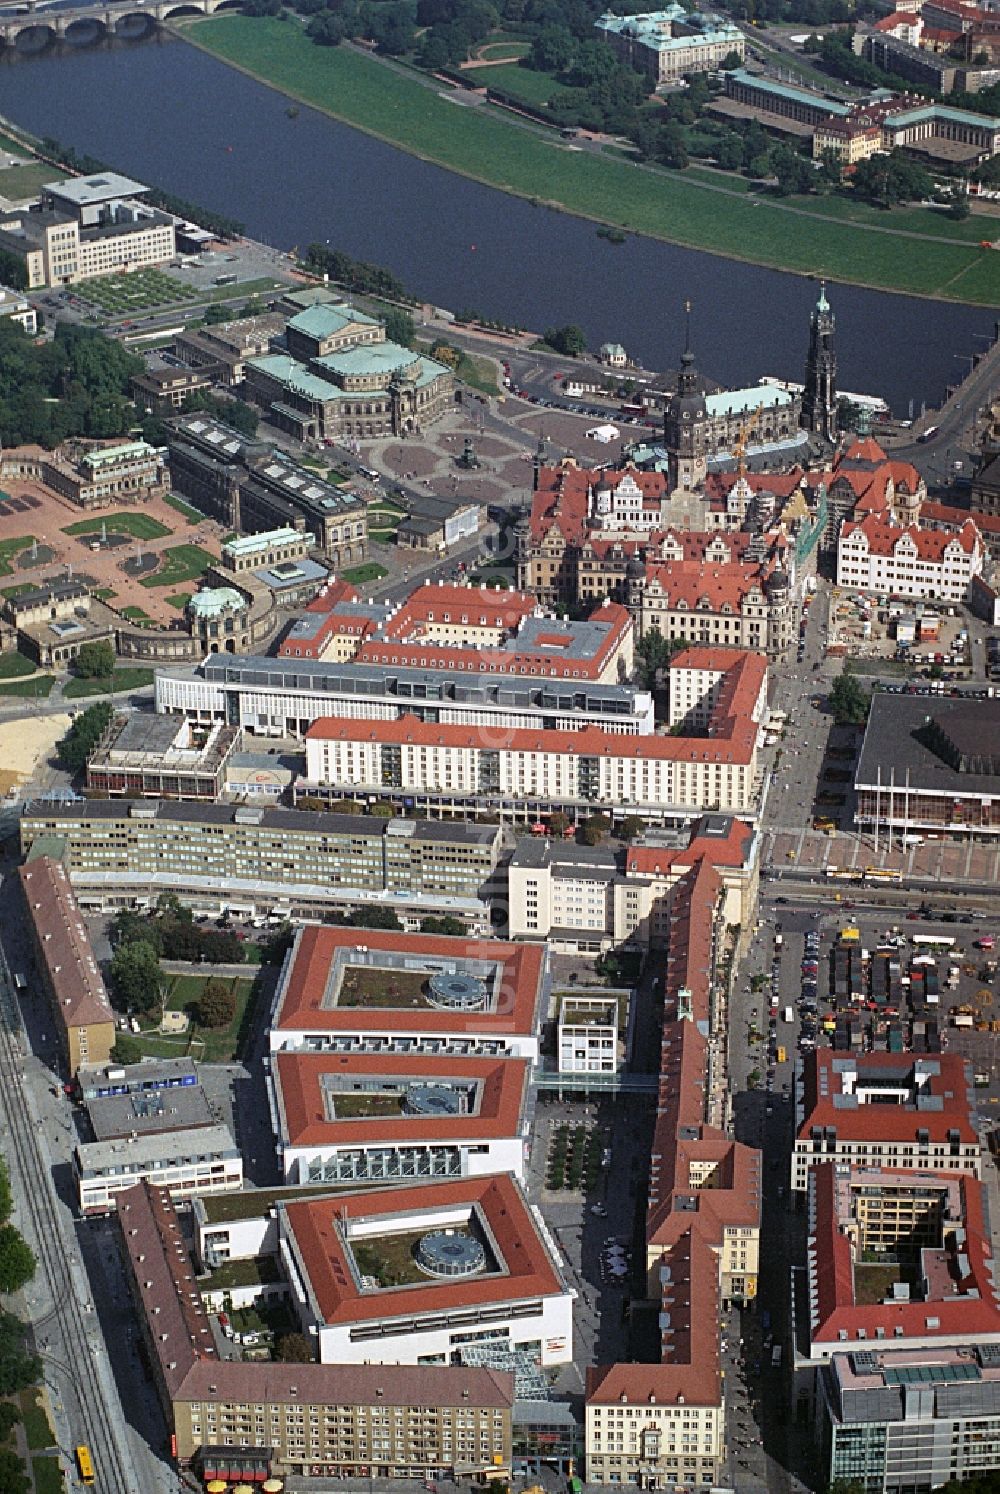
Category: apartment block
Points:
column 888, row 1110
column 87, row 226
column 526, row 774
column 255, row 860
column 66, row 965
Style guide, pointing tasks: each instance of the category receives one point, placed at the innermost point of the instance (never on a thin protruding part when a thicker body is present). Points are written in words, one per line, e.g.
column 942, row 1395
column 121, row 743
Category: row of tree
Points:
column 355, row 274
column 83, row 736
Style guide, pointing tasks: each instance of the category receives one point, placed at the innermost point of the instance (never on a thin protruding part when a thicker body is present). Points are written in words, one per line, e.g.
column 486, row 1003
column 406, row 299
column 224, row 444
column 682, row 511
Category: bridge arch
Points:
column 185, row 8
column 36, row 36
column 83, row 31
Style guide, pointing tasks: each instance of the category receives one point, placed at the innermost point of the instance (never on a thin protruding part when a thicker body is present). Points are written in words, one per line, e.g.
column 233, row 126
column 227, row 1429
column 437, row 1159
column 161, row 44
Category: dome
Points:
column 213, row 601
column 456, row 992
column 636, row 569
column 450, row 1253
column 777, row 582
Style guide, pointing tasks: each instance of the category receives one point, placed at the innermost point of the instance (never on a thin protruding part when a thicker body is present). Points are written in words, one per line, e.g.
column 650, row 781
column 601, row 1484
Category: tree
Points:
column 553, row 50
column 17, row 1261
column 958, row 204
column 9, row 1418
column 888, row 180
column 96, row 661
column 848, row 701
column 126, row 1049
column 570, row 340
column 6, row 1197
column 83, row 736
column 671, row 148
column 443, row 352
column 632, row 827
column 653, row 653
column 559, row 823
column 13, row 1474
column 399, row 327
column 216, row 1006
column 18, row 1369
column 136, row 978
column 128, row 927
column 294, row 1348
column 594, row 829
column 446, row 924
column 376, row 918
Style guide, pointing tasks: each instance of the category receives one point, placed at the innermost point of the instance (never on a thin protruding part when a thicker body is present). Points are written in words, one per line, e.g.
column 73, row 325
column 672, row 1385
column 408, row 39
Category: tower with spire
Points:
column 819, row 397
column 684, row 423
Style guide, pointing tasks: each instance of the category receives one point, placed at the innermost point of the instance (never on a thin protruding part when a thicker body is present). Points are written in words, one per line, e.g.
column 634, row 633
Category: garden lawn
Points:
column 218, row 1045
column 36, row 1423
column 494, row 50
column 136, row 614
column 370, row 571
column 139, row 526
column 525, row 83
column 15, row 666
column 36, row 688
column 47, row 1475
column 179, row 599
column 140, row 291
column 484, row 145
column 11, row 548
column 179, row 564
column 122, row 679
column 185, row 509
column 24, row 181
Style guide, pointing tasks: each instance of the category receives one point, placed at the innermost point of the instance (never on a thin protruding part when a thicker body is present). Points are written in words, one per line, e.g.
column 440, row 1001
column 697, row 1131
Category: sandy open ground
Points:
column 25, row 743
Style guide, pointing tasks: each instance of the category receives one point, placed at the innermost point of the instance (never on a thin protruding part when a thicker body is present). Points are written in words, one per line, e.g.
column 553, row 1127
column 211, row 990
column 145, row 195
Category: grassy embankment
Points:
column 493, row 149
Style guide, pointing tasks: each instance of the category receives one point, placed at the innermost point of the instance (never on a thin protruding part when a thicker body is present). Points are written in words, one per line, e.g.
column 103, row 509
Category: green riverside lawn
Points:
column 483, row 144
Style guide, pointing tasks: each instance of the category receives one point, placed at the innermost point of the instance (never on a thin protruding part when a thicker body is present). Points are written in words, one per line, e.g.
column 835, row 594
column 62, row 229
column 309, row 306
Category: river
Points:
column 169, row 114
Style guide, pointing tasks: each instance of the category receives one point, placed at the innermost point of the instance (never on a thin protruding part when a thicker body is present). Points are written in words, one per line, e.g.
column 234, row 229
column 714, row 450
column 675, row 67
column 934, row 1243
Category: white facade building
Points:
column 877, row 556
column 587, row 1039
column 202, row 1159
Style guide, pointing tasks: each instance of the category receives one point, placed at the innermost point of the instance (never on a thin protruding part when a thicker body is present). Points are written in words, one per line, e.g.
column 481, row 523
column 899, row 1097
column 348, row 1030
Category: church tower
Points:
column 684, row 424
column 819, row 398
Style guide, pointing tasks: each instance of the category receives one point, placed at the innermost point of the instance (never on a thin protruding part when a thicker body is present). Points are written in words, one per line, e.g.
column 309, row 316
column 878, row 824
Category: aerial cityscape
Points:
column 499, row 747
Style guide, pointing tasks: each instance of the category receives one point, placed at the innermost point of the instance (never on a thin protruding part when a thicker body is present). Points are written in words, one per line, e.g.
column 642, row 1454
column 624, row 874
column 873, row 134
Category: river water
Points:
column 169, row 114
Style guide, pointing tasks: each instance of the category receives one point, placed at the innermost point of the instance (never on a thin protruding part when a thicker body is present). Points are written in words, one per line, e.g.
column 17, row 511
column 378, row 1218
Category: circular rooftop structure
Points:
column 457, row 993
column 215, row 601
column 432, row 1099
column 450, row 1253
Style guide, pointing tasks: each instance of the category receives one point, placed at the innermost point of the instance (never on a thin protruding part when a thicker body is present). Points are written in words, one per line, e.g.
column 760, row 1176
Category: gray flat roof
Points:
column 256, row 671
column 302, row 820
column 149, row 1112
column 105, row 186
column 163, row 1149
column 894, row 743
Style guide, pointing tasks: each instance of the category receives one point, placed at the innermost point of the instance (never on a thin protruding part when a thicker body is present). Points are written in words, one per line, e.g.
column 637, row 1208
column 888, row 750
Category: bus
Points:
column 927, row 434
column 84, row 1463
column 928, row 942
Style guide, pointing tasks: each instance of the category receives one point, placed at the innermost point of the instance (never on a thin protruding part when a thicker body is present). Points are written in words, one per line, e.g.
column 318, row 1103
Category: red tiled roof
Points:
column 688, row 582
column 528, row 1271
column 931, row 544
column 332, row 595
column 299, row 1076
column 735, row 737
column 486, row 607
column 63, row 946
column 886, row 1122
column 301, row 1001
column 955, row 518
column 958, row 1314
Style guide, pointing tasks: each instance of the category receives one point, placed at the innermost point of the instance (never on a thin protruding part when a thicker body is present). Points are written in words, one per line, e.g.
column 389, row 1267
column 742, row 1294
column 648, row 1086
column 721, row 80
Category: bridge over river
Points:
column 83, row 23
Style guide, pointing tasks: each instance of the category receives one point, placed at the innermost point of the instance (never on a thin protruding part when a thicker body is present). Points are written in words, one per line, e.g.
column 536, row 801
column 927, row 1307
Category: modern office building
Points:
column 260, row 860
column 362, row 1118
column 414, row 1275
column 427, row 995
column 888, row 1110
column 185, row 1161
column 590, row 1033
column 142, row 1098
column 283, row 697
column 159, row 757
column 87, row 226
column 66, row 966
column 930, row 765
column 241, row 1420
column 893, row 1422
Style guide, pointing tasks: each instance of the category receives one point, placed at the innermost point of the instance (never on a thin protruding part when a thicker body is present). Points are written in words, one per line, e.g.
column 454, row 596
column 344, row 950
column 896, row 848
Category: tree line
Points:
column 75, row 385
